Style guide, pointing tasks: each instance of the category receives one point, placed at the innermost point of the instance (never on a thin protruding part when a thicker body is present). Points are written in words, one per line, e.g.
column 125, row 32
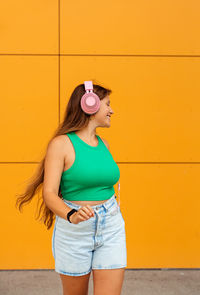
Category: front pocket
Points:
column 114, row 210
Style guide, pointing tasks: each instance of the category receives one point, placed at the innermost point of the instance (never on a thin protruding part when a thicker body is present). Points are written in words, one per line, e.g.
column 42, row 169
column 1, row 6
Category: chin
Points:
column 105, row 124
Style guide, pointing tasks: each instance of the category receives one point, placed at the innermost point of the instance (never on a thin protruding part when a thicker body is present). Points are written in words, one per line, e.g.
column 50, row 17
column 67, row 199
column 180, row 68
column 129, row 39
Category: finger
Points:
column 87, row 210
column 82, row 218
column 83, row 213
column 91, row 210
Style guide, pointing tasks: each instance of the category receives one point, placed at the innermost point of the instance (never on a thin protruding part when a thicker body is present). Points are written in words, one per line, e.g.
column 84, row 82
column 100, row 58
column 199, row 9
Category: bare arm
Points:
column 53, row 167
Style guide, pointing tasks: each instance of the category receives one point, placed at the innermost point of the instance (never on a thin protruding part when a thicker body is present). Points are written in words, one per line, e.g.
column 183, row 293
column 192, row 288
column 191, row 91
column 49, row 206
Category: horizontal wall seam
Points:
column 110, row 55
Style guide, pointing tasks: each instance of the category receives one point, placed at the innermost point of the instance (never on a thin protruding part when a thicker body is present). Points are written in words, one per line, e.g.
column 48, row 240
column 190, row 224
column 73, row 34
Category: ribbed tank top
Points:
column 92, row 174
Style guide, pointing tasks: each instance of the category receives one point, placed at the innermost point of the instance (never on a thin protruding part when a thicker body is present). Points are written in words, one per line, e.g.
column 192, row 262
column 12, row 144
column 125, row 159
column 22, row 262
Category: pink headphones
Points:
column 90, row 102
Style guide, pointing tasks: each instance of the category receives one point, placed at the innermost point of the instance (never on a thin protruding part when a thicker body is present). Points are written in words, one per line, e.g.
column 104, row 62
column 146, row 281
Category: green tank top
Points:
column 92, row 174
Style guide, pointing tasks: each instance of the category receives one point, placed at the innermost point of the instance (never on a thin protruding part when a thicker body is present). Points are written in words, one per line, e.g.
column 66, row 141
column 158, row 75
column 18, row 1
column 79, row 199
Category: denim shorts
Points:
column 96, row 243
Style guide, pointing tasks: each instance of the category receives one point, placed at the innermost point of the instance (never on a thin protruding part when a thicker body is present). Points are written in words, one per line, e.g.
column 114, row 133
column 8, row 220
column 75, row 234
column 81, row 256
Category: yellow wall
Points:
column 147, row 52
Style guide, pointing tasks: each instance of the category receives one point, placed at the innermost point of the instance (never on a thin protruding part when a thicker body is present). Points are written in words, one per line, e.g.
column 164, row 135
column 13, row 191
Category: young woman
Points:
column 78, row 173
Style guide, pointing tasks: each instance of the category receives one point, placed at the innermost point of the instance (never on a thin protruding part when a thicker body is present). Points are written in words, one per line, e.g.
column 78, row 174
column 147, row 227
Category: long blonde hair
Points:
column 74, row 119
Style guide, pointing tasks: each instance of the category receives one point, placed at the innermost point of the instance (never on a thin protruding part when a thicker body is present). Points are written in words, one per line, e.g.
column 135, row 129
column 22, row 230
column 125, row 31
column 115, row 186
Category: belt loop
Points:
column 105, row 207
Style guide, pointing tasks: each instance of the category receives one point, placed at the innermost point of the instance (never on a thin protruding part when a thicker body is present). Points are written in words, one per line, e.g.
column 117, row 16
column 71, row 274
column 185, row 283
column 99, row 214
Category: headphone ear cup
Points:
column 90, row 103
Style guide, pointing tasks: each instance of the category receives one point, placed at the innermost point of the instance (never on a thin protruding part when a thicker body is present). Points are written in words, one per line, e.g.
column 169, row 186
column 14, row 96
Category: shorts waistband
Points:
column 107, row 204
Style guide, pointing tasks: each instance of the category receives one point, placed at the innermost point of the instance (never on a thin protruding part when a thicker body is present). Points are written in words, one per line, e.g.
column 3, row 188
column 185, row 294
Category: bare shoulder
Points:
column 106, row 143
column 59, row 143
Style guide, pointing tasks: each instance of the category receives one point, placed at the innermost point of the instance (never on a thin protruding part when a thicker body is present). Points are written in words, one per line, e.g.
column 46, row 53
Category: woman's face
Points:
column 103, row 116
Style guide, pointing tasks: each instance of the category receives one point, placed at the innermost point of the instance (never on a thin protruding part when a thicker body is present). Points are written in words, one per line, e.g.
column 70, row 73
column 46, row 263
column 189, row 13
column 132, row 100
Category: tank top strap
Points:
column 72, row 137
column 75, row 142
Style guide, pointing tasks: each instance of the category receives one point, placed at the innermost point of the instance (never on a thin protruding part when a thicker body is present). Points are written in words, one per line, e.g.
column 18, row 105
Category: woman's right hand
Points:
column 82, row 214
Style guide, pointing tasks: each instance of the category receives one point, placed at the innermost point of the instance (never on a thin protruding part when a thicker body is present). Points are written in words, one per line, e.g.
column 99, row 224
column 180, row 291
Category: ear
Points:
column 106, row 143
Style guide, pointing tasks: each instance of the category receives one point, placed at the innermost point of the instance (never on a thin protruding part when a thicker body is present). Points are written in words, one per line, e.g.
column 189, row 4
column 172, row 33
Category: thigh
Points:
column 75, row 285
column 108, row 281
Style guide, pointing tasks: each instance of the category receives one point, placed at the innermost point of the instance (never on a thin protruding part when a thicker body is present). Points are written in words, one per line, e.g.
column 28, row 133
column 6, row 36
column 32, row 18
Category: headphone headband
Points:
column 88, row 85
